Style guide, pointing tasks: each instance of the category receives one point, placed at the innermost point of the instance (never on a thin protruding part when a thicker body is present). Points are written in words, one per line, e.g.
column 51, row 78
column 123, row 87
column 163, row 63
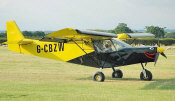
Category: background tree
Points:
column 27, row 33
column 170, row 35
column 157, row 31
column 3, row 34
column 39, row 33
column 111, row 31
column 122, row 28
column 36, row 33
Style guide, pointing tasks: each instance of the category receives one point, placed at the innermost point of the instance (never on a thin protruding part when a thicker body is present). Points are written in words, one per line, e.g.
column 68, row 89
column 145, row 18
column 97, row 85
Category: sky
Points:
column 87, row 14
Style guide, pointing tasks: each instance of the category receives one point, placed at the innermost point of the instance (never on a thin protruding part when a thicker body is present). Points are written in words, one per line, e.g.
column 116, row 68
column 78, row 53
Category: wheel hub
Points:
column 115, row 74
column 98, row 77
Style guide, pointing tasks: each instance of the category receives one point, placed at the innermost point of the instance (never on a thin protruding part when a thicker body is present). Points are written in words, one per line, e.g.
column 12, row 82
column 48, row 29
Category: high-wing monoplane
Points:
column 90, row 48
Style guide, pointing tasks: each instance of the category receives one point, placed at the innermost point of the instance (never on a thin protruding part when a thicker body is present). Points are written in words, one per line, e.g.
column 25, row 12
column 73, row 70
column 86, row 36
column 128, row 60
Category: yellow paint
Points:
column 122, row 36
column 17, row 43
column 70, row 34
column 14, row 34
column 160, row 50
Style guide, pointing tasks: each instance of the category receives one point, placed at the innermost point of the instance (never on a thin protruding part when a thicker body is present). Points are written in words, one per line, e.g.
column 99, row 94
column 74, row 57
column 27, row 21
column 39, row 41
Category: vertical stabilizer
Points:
column 14, row 35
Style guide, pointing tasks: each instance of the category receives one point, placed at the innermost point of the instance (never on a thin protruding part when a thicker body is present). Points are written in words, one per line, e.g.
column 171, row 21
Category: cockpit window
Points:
column 119, row 44
column 109, row 45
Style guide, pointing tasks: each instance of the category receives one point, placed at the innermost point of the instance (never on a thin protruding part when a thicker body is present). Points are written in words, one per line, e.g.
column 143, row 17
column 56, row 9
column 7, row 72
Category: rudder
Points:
column 13, row 32
column 14, row 36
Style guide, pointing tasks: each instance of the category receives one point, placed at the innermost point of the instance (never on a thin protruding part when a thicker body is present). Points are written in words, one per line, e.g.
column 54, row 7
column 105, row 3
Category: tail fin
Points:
column 14, row 35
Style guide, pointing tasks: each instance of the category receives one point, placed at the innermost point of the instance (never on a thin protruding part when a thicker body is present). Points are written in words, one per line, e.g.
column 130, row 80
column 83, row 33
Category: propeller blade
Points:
column 158, row 42
column 156, row 58
column 146, row 63
column 163, row 55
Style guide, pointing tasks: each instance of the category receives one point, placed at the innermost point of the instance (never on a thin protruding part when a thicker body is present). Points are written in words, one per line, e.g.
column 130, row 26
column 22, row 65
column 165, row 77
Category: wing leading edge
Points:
column 69, row 34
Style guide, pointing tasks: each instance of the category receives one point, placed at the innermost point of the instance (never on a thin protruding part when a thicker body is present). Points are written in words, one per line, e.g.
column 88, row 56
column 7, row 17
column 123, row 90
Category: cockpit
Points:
column 109, row 45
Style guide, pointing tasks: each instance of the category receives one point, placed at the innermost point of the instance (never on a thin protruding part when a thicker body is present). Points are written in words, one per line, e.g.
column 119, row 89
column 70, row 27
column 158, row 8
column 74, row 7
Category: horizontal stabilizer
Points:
column 20, row 42
column 25, row 42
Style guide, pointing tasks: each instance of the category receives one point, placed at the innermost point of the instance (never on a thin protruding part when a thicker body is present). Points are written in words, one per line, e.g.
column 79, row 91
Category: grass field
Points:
column 29, row 78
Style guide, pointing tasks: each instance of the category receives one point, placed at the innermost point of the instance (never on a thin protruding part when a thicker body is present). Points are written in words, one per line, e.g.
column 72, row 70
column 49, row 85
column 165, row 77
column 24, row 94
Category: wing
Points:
column 134, row 35
column 69, row 34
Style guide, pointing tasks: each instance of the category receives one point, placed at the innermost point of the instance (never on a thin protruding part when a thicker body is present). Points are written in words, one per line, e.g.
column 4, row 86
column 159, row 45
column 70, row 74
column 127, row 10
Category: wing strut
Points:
column 86, row 53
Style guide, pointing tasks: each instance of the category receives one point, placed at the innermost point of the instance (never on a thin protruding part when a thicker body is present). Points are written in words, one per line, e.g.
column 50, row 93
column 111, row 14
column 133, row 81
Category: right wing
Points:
column 134, row 35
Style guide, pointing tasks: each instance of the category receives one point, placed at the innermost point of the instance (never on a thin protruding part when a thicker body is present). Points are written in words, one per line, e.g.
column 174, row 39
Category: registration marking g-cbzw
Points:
column 50, row 47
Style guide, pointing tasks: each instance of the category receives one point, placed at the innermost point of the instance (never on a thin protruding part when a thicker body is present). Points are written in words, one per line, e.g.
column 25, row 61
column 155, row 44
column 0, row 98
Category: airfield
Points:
column 30, row 78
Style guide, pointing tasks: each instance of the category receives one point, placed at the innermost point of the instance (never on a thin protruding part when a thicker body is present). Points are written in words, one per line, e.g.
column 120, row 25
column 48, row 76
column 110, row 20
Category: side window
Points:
column 116, row 44
column 98, row 44
column 104, row 46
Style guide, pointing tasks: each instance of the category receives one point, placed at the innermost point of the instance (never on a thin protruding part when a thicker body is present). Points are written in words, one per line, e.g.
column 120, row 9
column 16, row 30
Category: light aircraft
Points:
column 90, row 48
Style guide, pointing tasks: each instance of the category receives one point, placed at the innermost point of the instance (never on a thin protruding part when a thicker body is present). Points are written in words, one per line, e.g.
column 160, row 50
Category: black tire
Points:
column 99, row 76
column 148, row 76
column 117, row 74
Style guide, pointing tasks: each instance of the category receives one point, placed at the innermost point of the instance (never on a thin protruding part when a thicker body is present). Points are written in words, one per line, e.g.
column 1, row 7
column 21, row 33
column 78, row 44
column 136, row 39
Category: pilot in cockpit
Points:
column 108, row 47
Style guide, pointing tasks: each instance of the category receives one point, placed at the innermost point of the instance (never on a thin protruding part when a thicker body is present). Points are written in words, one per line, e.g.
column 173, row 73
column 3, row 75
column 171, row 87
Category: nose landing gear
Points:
column 145, row 74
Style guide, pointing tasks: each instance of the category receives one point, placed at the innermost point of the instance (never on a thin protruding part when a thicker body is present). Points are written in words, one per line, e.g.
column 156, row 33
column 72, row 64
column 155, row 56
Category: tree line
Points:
column 27, row 33
column 159, row 32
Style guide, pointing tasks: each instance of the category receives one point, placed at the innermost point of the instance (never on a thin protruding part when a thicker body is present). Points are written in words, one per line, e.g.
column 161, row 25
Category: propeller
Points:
column 156, row 58
column 158, row 42
column 159, row 51
column 163, row 54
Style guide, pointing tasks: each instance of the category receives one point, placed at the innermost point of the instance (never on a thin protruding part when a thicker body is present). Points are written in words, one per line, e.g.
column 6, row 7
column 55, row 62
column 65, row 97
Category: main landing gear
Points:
column 100, row 77
column 117, row 73
column 145, row 74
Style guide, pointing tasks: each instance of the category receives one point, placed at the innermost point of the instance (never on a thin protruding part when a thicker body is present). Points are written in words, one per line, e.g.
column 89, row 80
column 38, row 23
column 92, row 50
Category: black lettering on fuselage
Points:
column 38, row 49
column 55, row 47
column 45, row 50
column 51, row 47
column 61, row 46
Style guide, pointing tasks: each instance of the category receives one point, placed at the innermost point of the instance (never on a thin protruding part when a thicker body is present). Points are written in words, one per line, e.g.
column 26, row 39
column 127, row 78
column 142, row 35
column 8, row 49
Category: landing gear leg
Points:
column 117, row 73
column 145, row 74
column 99, row 76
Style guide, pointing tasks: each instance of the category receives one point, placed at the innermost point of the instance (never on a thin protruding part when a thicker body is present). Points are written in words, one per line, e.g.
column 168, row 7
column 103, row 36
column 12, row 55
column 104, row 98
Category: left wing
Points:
column 70, row 34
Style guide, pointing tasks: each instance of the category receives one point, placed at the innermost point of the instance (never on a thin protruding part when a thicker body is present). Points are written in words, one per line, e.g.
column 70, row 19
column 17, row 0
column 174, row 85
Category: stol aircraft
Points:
column 90, row 48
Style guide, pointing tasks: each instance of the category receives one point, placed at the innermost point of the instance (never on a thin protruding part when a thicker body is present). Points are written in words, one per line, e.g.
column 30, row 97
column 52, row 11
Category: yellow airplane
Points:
column 90, row 48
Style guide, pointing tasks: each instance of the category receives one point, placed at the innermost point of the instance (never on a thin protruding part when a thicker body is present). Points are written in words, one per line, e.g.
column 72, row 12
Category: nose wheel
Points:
column 145, row 74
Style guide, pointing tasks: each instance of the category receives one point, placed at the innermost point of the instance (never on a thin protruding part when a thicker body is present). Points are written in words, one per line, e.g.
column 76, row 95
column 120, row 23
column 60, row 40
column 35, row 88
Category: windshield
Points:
column 109, row 45
column 119, row 44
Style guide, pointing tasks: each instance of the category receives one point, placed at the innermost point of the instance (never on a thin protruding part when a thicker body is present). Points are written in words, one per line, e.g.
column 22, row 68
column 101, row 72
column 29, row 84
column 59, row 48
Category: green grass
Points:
column 29, row 78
